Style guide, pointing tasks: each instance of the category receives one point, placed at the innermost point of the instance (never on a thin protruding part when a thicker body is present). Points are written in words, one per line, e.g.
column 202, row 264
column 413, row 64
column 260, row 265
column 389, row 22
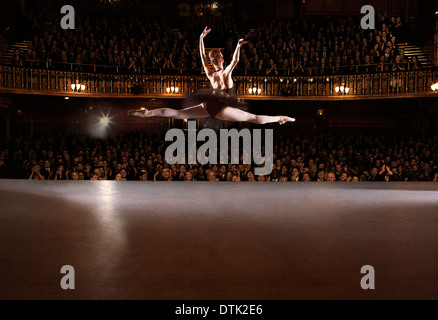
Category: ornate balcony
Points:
column 18, row 80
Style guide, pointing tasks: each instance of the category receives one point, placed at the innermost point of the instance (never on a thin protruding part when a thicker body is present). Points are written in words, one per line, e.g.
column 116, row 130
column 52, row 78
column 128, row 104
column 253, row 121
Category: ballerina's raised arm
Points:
column 204, row 60
column 236, row 56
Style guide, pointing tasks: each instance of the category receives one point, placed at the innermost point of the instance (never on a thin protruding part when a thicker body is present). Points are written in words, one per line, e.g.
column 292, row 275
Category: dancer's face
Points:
column 220, row 59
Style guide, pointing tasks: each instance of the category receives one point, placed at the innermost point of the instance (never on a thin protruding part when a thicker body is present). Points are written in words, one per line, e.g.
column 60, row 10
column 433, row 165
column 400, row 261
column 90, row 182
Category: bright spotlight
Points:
column 104, row 121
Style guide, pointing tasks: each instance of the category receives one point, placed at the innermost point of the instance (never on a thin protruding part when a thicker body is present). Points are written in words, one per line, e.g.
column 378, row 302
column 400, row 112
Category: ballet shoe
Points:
column 284, row 119
column 142, row 113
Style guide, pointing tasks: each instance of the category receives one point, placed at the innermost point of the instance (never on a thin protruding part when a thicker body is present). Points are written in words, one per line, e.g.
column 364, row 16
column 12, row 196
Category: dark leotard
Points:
column 214, row 100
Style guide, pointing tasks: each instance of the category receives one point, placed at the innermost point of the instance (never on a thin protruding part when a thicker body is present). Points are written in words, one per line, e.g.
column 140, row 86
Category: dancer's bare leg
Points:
column 195, row 112
column 235, row 114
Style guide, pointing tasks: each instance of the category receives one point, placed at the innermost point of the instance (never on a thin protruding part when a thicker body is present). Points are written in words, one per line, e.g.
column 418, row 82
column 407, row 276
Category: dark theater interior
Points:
column 110, row 188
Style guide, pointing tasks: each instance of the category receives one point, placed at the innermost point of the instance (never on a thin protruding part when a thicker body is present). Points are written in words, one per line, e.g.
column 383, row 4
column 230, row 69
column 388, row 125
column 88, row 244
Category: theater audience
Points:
column 128, row 44
column 316, row 158
column 320, row 47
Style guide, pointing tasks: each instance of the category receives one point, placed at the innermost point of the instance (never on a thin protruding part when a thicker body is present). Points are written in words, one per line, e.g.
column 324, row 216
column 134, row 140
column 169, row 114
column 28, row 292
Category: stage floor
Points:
column 203, row 240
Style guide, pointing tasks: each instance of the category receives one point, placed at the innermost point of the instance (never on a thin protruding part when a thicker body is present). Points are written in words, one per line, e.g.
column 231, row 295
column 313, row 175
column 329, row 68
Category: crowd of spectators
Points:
column 140, row 156
column 337, row 46
column 133, row 44
column 280, row 47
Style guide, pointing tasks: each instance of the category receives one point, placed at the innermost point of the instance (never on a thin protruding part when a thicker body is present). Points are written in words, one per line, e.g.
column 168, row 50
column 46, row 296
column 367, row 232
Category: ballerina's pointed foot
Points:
column 142, row 113
column 284, row 119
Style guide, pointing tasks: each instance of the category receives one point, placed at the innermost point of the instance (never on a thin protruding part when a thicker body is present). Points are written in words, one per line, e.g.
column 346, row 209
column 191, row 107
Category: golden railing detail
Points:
column 51, row 82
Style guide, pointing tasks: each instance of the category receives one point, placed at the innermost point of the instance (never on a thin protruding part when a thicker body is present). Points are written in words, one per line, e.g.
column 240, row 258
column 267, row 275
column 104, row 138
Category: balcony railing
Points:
column 384, row 85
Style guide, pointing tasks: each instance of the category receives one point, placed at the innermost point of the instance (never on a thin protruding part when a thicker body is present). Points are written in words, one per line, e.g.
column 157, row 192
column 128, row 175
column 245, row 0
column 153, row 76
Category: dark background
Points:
column 414, row 12
column 33, row 114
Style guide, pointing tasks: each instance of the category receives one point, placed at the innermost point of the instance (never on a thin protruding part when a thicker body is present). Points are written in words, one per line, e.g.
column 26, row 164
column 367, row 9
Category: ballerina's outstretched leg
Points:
column 195, row 112
column 235, row 114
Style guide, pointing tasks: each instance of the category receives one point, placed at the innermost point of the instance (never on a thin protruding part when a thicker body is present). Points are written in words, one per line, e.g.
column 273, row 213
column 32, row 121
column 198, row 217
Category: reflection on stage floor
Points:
column 224, row 240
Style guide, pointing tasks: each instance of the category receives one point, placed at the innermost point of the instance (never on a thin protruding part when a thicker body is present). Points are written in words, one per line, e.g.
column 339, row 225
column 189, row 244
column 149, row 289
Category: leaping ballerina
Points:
column 217, row 102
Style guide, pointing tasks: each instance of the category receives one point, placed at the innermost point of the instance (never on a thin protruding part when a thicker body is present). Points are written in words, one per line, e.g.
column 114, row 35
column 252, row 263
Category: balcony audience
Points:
column 280, row 47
